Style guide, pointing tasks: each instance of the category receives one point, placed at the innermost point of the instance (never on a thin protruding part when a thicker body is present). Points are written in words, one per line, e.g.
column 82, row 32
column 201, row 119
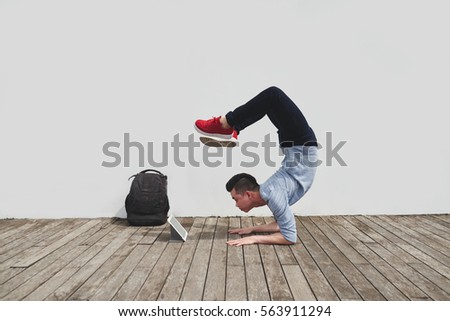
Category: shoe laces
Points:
column 215, row 119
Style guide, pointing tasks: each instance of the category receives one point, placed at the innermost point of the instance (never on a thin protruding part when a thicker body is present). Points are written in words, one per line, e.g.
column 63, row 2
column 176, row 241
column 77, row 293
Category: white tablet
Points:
column 179, row 229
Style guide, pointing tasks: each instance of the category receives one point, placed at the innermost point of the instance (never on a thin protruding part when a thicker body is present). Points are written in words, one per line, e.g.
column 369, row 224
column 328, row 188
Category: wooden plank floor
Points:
column 335, row 258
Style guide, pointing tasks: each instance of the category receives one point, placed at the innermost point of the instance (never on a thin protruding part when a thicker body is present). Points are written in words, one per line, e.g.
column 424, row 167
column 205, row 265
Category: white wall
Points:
column 75, row 75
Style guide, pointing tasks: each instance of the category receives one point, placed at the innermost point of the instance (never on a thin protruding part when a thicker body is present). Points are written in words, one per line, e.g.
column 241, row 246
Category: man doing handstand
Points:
column 289, row 183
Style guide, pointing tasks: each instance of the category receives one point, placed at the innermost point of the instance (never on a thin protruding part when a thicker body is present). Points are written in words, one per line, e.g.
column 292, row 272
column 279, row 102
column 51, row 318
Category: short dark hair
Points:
column 241, row 183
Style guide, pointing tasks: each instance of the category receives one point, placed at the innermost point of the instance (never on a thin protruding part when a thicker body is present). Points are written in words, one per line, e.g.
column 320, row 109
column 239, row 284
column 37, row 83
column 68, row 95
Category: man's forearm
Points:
column 275, row 238
column 269, row 228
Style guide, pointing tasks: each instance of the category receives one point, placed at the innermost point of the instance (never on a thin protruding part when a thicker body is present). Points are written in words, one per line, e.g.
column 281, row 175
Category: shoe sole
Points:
column 222, row 136
column 209, row 141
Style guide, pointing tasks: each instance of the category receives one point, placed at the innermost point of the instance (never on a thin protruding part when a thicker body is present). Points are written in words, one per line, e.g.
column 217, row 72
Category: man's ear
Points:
column 249, row 194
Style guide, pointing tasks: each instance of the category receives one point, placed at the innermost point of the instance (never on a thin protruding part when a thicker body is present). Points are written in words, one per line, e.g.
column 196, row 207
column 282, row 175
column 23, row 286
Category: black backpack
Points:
column 147, row 203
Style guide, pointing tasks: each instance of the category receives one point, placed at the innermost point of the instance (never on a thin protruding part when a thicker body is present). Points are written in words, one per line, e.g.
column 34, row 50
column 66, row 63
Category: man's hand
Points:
column 242, row 241
column 241, row 231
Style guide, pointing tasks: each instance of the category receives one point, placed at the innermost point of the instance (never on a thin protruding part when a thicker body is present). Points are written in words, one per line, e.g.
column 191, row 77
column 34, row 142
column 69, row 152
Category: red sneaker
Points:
column 234, row 136
column 212, row 127
column 209, row 141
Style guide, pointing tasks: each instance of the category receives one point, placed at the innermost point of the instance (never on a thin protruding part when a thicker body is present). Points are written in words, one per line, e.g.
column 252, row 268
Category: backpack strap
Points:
column 148, row 170
column 151, row 170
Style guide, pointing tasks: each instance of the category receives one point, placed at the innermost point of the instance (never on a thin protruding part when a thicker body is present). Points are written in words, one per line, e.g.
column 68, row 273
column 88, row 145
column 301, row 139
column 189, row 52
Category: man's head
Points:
column 244, row 190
